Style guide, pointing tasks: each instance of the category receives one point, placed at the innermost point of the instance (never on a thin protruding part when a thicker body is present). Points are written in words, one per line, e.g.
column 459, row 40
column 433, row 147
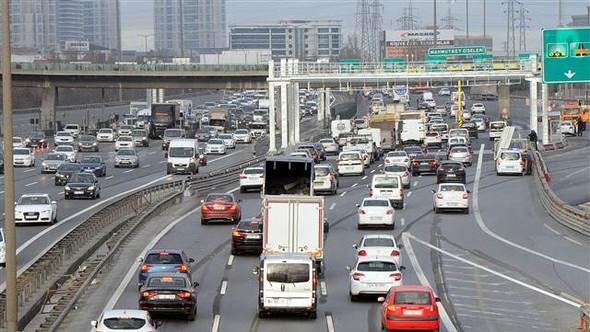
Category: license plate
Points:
column 374, row 218
column 510, row 167
column 166, row 297
column 253, row 236
column 218, row 207
column 252, row 178
column 452, row 204
column 413, row 312
column 78, row 192
column 451, row 175
column 283, row 302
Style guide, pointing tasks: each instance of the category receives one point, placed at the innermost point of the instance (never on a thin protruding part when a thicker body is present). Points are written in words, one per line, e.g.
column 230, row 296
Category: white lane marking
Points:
column 60, row 193
column 223, row 287
column 409, row 193
column 153, row 152
column 215, row 327
column 373, row 171
column 584, row 169
column 380, row 165
column 332, row 206
column 574, row 241
column 446, row 320
column 163, row 161
column 29, row 170
column 551, row 229
column 484, row 228
column 407, row 244
column 330, row 323
column 49, row 229
column 147, row 166
column 129, row 171
column 109, row 177
column 416, row 183
column 230, row 260
column 364, row 177
column 354, row 185
column 403, row 221
column 227, row 155
column 343, row 193
column 31, row 184
column 323, row 288
column 133, row 268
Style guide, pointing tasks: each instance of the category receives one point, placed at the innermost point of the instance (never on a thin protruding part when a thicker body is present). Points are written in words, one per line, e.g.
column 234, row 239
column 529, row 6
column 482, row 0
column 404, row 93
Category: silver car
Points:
column 126, row 158
column 461, row 154
column 330, row 146
column 52, row 162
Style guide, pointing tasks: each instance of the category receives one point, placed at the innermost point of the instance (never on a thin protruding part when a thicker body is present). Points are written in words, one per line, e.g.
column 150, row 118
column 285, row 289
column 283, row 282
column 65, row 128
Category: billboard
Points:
column 403, row 38
column 77, row 46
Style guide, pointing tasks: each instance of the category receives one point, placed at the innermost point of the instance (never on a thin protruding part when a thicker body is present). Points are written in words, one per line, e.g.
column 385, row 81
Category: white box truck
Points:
column 338, row 127
column 183, row 156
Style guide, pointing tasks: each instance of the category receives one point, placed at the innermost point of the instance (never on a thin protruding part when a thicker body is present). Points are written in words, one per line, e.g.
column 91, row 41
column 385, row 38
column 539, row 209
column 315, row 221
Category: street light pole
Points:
column 9, row 227
column 467, row 19
column 434, row 23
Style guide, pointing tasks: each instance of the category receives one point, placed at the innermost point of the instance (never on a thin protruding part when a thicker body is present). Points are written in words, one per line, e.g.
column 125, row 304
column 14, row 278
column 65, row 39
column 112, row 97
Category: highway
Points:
column 507, row 266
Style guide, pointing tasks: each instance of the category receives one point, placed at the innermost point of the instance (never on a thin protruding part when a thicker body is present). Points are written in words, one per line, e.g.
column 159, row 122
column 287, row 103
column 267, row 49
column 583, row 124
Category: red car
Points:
column 220, row 207
column 410, row 307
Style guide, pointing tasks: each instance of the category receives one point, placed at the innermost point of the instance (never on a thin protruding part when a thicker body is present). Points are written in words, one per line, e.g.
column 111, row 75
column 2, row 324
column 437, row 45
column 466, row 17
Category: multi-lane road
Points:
column 507, row 266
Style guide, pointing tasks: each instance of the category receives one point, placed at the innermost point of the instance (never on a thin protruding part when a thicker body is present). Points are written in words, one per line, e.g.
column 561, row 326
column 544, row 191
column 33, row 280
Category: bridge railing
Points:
column 133, row 68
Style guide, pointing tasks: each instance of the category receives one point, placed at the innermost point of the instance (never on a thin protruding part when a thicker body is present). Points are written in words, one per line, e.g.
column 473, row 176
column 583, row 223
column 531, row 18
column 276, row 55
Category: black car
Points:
column 450, row 171
column 424, row 163
column 65, row 171
column 94, row 164
column 87, row 143
column 471, row 129
column 83, row 185
column 169, row 293
column 36, row 140
column 247, row 237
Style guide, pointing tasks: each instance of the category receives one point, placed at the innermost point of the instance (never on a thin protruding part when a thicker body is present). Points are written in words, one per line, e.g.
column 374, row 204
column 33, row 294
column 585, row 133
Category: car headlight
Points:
column 44, row 164
column 67, row 187
column 27, row 140
column 94, row 143
column 46, row 211
column 91, row 188
column 117, row 160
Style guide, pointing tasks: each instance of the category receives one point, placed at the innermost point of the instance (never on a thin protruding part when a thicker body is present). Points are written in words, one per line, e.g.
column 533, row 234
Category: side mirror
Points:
column 381, row 299
column 358, row 205
column 437, row 299
column 347, row 267
column 255, row 270
column 368, row 186
column 239, row 200
column 53, row 202
column 196, row 284
column 400, row 246
column 402, row 268
column 94, row 323
column 355, row 246
column 139, row 284
column 202, row 201
column 157, row 323
column 140, row 259
column 326, row 227
column 469, row 191
column 433, row 191
column 191, row 260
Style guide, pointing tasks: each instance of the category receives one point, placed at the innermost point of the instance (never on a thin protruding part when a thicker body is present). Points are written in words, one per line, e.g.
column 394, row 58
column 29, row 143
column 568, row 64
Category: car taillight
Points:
column 145, row 267
column 148, row 294
column 389, row 211
column 362, row 253
column 361, row 211
column 394, row 253
column 357, row 276
column 439, row 196
column 243, row 177
column 237, row 233
column 182, row 268
column 396, row 276
column 391, row 308
column 234, row 206
column 184, row 294
column 406, row 173
column 465, row 195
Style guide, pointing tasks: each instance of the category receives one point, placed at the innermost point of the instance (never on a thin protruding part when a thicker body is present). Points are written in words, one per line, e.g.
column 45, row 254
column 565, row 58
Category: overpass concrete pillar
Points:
column 533, row 124
column 296, row 113
column 48, row 104
column 291, row 114
column 504, row 100
column 327, row 108
column 284, row 117
column 322, row 108
column 545, row 105
column 272, row 119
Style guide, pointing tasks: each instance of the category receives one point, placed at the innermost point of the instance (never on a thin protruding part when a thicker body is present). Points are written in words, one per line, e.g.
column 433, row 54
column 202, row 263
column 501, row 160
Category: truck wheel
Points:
column 353, row 298
column 262, row 314
column 312, row 315
column 204, row 222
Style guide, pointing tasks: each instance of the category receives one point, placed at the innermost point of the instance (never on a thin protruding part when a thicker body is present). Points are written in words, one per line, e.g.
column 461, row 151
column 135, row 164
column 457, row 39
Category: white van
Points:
column 459, row 132
column 388, row 186
column 510, row 162
column 183, row 156
column 338, row 127
column 287, row 282
column 496, row 128
column 350, row 162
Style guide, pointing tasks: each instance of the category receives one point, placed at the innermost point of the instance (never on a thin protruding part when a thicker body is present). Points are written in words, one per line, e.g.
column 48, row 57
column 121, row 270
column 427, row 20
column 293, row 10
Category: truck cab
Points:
column 287, row 283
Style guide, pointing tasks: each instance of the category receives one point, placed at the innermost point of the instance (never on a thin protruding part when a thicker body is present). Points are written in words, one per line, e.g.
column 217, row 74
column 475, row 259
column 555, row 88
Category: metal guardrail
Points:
column 567, row 215
column 136, row 69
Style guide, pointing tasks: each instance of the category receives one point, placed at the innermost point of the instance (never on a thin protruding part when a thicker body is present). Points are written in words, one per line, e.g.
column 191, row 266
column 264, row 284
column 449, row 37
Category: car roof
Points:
column 391, row 259
column 125, row 313
column 168, row 274
column 375, row 198
column 34, row 195
column 157, row 251
column 406, row 288
column 378, row 236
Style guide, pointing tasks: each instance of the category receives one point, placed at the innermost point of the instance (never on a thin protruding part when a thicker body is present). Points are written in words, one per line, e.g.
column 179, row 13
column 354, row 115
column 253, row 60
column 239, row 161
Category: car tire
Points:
column 353, row 298
column 235, row 252
column 98, row 194
column 435, row 209
column 391, row 227
column 359, row 226
column 312, row 315
column 66, row 197
column 54, row 221
column 191, row 317
column 262, row 314
column 204, row 221
column 242, row 190
column 466, row 211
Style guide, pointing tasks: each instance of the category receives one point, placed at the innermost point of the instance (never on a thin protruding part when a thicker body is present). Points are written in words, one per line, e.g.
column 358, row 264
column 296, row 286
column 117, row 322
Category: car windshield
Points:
column 459, row 149
column 37, row 135
column 349, row 156
column 496, row 126
column 376, row 202
column 451, row 187
column 64, row 148
column 254, row 171
column 106, row 131
column 322, row 171
column 82, row 178
column 21, row 151
column 125, row 139
column 63, row 134
column 139, row 133
column 163, row 258
column 219, row 197
column 395, row 168
column 124, row 323
column 126, row 127
column 69, row 167
column 250, row 225
column 397, row 154
column 33, row 200
column 510, row 156
column 376, row 266
column 16, row 140
column 55, row 156
column 126, row 152
column 215, row 142
column 378, row 242
column 385, row 182
column 74, row 127
column 90, row 160
column 451, row 165
column 326, row 140
column 166, row 282
column 173, row 133
column 181, row 152
column 87, row 139
column 226, row 136
column 412, row 297
column 241, row 132
column 287, row 273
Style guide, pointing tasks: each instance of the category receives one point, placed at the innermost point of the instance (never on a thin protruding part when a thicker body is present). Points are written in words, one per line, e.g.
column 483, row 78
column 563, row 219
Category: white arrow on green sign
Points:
column 468, row 50
column 566, row 55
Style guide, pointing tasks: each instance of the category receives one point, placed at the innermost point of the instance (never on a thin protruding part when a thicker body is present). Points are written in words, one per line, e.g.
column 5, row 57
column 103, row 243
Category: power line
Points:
column 523, row 20
column 408, row 21
column 368, row 27
column 449, row 21
column 510, row 45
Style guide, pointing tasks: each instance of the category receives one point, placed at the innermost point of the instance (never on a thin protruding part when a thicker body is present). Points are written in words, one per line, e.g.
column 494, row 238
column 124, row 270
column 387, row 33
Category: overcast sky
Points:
column 137, row 15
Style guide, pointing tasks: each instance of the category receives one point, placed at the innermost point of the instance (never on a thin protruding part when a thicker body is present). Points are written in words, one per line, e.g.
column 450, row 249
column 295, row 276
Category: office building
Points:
column 33, row 25
column 102, row 26
column 69, row 21
column 480, row 40
column 185, row 27
column 302, row 39
column 581, row 20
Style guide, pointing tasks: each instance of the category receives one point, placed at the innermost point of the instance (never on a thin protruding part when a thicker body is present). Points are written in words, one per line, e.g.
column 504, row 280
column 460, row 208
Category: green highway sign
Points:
column 566, row 55
column 467, row 50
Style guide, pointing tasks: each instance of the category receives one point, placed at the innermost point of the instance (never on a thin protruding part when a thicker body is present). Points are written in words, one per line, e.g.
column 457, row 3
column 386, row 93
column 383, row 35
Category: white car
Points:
column 567, row 128
column 228, row 140
column 73, row 129
column 242, row 136
column 374, row 275
column 52, row 162
column 400, row 170
column 68, row 150
column 105, row 135
column 125, row 131
column 388, row 186
column 2, row 248
column 124, row 142
column 252, row 178
column 440, row 110
column 23, row 157
column 454, row 110
column 350, row 163
column 63, row 137
column 444, row 92
column 378, row 245
column 510, row 162
column 478, row 108
column 18, row 142
column 330, row 146
column 480, row 122
column 461, row 154
column 397, row 158
column 35, row 208
column 125, row 320
column 215, row 146
column 325, row 179
column 364, row 154
column 466, row 115
column 451, row 196
column 433, row 138
column 375, row 211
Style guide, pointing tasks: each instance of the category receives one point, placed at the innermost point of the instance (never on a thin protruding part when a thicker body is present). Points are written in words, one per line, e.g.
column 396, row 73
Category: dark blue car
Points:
column 164, row 260
column 94, row 164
